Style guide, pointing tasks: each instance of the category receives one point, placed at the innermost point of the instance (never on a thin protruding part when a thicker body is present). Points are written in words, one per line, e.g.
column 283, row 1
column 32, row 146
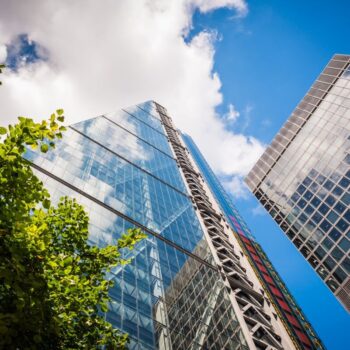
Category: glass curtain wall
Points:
column 121, row 168
column 294, row 320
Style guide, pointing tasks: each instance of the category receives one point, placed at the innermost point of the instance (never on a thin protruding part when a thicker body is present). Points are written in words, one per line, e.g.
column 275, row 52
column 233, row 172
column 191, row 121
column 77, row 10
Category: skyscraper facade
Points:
column 286, row 307
column 303, row 177
column 188, row 285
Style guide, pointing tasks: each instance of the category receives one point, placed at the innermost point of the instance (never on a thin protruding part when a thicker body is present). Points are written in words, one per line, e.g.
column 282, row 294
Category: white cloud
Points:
column 3, row 53
column 236, row 187
column 259, row 210
column 105, row 57
column 232, row 114
column 209, row 5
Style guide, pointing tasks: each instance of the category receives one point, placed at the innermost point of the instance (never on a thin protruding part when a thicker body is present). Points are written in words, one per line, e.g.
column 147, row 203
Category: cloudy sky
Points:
column 228, row 71
column 90, row 59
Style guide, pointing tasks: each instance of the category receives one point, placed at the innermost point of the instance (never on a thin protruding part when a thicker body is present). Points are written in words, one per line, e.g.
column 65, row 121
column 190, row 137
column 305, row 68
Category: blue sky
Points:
column 277, row 52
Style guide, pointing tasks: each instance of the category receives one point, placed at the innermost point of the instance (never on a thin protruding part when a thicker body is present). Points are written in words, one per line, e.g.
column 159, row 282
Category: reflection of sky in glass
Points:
column 154, row 275
column 308, row 189
column 150, row 108
column 142, row 130
column 132, row 149
column 133, row 171
column 124, row 187
column 145, row 117
column 321, row 144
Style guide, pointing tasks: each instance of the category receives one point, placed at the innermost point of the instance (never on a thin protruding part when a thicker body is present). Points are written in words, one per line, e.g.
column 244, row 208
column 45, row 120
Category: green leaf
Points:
column 104, row 308
column 68, row 270
column 60, row 111
column 44, row 148
column 3, row 130
column 60, row 119
column 46, row 203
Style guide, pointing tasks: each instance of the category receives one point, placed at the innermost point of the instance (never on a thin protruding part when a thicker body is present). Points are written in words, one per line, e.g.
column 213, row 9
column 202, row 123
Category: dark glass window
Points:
column 335, row 176
column 332, row 216
column 334, row 234
column 347, row 159
column 347, row 215
column 339, row 207
column 307, row 181
column 328, row 184
column 320, row 253
column 313, row 261
column 340, row 275
column 346, row 198
column 315, row 202
column 311, row 244
column 301, row 189
column 298, row 242
column 309, row 209
column 320, row 179
column 308, row 195
column 324, row 209
column 342, row 225
column 338, row 191
column 330, row 200
column 346, row 264
column 295, row 197
column 290, row 233
column 345, row 245
column 302, row 218
column 310, row 225
column 313, row 173
column 327, row 244
column 348, row 174
column 344, row 182
column 325, row 225
column 333, row 285
column 317, row 217
column 305, row 251
column 337, row 254
column 314, row 187
column 301, row 203
column 329, row 263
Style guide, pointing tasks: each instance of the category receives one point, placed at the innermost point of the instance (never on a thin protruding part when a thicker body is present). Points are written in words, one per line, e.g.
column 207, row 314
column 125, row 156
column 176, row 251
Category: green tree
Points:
column 53, row 289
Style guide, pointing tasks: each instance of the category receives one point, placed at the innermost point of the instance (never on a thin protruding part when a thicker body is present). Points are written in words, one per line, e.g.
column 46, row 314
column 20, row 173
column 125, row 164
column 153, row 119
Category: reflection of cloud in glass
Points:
column 320, row 143
column 115, row 138
column 149, row 107
column 146, row 114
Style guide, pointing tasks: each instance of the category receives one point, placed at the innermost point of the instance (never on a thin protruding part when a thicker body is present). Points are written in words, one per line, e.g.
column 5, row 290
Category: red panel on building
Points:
column 246, row 240
column 283, row 305
column 293, row 320
column 303, row 337
column 262, row 268
column 276, row 291
column 268, row 279
column 250, row 248
column 256, row 258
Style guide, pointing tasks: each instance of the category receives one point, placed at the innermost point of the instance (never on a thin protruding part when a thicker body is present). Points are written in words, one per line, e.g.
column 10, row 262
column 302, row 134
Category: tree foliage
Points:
column 53, row 289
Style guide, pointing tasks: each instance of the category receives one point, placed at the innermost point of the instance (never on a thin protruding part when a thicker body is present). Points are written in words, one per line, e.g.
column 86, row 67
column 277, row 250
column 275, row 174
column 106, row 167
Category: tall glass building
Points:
column 189, row 285
column 303, row 177
column 291, row 315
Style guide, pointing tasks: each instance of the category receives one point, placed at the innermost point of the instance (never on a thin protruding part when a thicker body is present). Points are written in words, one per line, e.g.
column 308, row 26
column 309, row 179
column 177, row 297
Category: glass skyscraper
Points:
column 292, row 316
column 303, row 177
column 189, row 286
